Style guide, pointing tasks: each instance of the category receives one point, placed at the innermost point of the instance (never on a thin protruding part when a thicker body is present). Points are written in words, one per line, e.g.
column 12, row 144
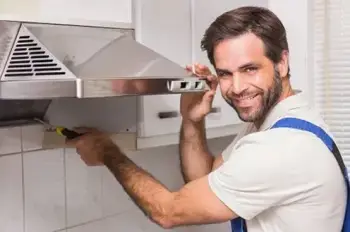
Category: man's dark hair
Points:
column 257, row 20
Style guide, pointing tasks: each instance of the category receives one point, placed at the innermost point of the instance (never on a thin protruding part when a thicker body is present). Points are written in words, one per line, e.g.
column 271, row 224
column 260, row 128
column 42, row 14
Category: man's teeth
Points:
column 247, row 98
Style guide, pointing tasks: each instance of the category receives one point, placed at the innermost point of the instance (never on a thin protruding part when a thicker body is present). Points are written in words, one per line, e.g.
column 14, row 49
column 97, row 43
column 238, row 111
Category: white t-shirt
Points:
column 282, row 180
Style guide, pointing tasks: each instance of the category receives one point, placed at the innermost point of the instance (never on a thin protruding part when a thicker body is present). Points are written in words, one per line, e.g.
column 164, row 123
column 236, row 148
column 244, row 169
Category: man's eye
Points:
column 250, row 69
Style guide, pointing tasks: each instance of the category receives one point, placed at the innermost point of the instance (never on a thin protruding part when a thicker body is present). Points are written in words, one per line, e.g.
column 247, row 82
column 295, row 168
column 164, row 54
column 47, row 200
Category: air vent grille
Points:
column 29, row 59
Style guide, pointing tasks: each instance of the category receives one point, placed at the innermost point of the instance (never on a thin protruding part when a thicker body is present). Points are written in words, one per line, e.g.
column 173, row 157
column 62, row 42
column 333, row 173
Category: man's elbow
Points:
column 163, row 220
column 164, row 215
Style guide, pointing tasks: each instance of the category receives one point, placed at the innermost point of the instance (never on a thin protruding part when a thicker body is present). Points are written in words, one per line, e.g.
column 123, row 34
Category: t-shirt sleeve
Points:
column 251, row 181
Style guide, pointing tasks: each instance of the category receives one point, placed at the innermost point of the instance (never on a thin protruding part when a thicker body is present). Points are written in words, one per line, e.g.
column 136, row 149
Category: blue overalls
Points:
column 239, row 225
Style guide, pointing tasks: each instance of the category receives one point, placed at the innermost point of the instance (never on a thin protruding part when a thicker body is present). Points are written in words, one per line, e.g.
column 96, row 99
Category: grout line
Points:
column 21, row 138
column 102, row 192
column 94, row 220
column 65, row 188
column 8, row 154
column 28, row 151
column 23, row 184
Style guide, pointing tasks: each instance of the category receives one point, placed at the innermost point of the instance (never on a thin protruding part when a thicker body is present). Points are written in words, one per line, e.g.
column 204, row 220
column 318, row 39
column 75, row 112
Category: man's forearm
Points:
column 149, row 194
column 196, row 160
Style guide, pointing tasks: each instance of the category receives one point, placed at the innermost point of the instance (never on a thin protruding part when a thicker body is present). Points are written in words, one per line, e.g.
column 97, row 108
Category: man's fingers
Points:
column 72, row 142
column 204, row 70
column 198, row 69
column 189, row 68
column 81, row 130
column 84, row 130
column 212, row 81
column 209, row 97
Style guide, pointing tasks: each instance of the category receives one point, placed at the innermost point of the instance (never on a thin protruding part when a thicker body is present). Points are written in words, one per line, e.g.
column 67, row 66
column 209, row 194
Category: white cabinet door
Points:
column 165, row 27
column 86, row 12
column 204, row 12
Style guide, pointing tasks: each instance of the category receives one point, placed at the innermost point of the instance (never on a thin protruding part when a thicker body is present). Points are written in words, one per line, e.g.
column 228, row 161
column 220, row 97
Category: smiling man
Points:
column 279, row 179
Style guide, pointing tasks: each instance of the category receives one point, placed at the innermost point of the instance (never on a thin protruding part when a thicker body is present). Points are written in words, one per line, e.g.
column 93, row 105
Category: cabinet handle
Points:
column 168, row 114
column 215, row 110
column 174, row 114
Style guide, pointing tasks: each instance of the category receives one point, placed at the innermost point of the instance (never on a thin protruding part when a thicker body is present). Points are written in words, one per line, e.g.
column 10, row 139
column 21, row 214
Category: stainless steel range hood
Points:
column 50, row 68
column 45, row 61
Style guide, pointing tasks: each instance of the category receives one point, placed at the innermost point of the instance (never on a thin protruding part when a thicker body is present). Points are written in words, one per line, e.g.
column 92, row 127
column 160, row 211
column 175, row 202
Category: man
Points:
column 275, row 179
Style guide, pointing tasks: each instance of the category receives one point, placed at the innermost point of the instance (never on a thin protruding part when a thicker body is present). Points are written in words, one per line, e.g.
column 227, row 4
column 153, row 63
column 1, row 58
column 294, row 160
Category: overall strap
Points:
column 301, row 124
column 239, row 225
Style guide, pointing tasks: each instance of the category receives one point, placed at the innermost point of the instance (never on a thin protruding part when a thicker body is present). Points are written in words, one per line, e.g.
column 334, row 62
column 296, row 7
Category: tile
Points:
column 44, row 190
column 128, row 221
column 144, row 223
column 10, row 140
column 32, row 137
column 84, row 190
column 114, row 198
column 163, row 163
column 122, row 222
column 95, row 226
column 11, row 194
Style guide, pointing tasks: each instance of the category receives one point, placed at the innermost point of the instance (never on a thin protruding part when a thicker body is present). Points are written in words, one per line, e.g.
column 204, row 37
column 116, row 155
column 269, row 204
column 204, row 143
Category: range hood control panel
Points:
column 180, row 86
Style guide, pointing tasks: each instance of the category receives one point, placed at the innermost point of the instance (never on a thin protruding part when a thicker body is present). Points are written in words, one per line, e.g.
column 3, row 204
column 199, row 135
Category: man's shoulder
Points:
column 285, row 140
column 247, row 129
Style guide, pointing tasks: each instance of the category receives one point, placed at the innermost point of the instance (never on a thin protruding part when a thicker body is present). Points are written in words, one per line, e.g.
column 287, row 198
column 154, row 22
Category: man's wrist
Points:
column 110, row 154
column 190, row 124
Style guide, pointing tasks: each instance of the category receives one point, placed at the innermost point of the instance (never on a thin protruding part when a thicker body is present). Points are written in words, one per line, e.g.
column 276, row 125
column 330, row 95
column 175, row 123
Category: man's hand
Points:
column 93, row 145
column 195, row 106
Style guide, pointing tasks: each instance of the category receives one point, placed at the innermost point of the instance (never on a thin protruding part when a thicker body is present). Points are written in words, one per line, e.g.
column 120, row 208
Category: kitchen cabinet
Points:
column 163, row 26
column 109, row 13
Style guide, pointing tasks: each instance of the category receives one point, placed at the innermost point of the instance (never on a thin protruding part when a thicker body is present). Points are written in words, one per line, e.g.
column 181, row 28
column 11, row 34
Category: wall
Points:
column 53, row 190
column 296, row 18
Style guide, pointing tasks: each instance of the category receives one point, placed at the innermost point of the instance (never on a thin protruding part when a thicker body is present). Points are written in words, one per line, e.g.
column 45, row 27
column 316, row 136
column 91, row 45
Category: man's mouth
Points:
column 244, row 101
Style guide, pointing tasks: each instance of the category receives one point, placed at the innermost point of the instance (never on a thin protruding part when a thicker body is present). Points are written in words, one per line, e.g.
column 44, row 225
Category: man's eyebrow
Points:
column 247, row 65
column 218, row 70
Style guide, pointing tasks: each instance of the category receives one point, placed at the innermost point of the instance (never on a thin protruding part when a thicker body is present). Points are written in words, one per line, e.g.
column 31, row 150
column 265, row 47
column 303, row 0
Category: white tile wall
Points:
column 44, row 185
column 11, row 194
column 54, row 191
column 10, row 141
column 32, row 135
column 84, row 190
column 114, row 198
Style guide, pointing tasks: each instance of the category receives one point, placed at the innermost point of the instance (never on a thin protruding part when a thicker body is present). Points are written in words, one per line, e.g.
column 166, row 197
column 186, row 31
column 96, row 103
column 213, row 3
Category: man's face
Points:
column 249, row 81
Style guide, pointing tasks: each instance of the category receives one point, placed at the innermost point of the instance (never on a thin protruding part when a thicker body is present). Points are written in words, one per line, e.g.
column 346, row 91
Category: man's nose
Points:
column 238, row 84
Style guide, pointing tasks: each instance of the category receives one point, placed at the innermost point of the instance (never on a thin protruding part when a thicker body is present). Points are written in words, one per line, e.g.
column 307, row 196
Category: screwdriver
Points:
column 69, row 134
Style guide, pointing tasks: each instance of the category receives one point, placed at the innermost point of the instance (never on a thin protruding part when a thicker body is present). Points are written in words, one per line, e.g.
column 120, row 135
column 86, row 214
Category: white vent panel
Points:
column 30, row 59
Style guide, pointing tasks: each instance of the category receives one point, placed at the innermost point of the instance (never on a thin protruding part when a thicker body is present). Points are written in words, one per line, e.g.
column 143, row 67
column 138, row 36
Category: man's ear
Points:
column 283, row 65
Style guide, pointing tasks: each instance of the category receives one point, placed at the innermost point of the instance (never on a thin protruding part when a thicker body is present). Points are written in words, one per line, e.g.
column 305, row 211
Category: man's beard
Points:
column 269, row 99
